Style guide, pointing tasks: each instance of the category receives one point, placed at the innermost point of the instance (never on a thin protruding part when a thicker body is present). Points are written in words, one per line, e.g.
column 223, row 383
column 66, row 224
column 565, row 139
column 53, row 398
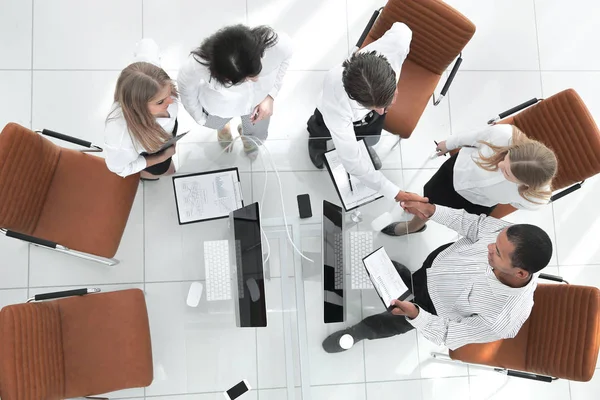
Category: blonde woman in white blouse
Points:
column 238, row 71
column 496, row 165
column 142, row 118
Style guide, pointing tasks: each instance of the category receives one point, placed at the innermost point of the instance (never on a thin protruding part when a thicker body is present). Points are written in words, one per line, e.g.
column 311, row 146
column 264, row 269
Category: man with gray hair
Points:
column 353, row 104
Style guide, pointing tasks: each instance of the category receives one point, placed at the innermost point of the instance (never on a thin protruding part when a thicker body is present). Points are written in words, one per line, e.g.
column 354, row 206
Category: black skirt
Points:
column 440, row 190
column 163, row 167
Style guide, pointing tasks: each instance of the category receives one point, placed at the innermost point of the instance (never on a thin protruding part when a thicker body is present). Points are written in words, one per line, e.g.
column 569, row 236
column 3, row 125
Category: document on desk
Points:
column 386, row 280
column 351, row 196
column 207, row 195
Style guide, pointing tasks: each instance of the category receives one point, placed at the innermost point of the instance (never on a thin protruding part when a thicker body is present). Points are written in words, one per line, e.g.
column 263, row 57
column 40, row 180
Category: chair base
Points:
column 109, row 262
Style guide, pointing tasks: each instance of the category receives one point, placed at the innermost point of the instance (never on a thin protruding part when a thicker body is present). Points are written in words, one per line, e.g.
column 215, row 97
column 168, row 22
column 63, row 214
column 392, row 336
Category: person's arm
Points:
column 192, row 77
column 284, row 50
column 394, row 45
column 499, row 135
column 124, row 162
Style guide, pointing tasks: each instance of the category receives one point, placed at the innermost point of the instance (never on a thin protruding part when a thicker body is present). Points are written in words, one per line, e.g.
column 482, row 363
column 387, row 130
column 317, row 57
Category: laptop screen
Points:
column 251, row 307
column 333, row 263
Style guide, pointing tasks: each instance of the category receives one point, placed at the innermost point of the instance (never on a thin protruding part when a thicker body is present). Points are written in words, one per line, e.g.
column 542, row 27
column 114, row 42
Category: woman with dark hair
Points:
column 237, row 71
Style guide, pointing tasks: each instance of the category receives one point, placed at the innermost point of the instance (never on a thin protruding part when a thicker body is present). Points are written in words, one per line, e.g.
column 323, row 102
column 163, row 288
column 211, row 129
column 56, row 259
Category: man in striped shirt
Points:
column 476, row 290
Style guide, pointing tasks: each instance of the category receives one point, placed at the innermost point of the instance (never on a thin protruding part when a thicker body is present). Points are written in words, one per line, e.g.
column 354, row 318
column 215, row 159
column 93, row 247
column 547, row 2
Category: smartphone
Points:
column 237, row 390
column 304, row 206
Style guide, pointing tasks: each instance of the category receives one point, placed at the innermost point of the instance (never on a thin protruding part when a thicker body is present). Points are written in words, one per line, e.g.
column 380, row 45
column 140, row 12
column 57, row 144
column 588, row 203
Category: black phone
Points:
column 304, row 206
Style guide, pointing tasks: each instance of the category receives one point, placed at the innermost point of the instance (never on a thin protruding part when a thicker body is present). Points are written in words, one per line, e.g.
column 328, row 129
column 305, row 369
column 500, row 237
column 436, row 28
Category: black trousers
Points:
column 386, row 324
column 440, row 190
column 371, row 132
column 161, row 168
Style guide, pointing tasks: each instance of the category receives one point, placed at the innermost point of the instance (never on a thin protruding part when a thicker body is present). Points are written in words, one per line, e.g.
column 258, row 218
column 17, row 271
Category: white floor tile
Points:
column 445, row 388
column 395, row 390
column 15, row 107
column 586, row 390
column 15, row 263
column 252, row 395
column 70, row 34
column 278, row 394
column 196, row 349
column 318, row 29
column 75, row 103
column 50, row 268
column 346, row 392
column 15, row 23
column 500, row 27
column 478, row 96
column 12, row 296
column 587, row 84
column 495, row 386
column 566, row 35
column 432, row 368
column 189, row 22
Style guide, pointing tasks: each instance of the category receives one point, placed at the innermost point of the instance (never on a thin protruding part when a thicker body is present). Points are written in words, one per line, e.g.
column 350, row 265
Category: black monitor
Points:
column 333, row 264
column 251, row 308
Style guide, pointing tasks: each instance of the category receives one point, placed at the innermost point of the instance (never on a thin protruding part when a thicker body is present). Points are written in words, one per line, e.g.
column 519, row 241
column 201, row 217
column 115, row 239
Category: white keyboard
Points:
column 361, row 245
column 216, row 265
column 338, row 263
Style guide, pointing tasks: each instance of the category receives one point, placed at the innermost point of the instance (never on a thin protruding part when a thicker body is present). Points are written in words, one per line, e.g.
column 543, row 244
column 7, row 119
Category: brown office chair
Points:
column 559, row 340
column 563, row 123
column 439, row 35
column 60, row 198
column 76, row 346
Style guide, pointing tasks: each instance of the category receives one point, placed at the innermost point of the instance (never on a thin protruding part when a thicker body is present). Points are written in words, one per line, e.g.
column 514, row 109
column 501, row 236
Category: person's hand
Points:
column 408, row 196
column 405, row 308
column 422, row 210
column 262, row 111
column 441, row 148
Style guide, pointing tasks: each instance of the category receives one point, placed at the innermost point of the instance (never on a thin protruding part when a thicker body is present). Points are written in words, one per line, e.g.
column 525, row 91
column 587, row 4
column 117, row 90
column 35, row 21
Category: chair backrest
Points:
column 27, row 165
column 31, row 352
column 439, row 31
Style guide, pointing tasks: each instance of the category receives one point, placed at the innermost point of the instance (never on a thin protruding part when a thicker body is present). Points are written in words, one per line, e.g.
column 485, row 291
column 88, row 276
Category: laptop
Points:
column 334, row 299
column 247, row 258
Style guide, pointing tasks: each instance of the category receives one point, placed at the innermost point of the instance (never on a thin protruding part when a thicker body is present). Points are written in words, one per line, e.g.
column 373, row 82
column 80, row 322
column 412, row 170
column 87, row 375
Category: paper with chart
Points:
column 385, row 278
column 360, row 194
column 206, row 196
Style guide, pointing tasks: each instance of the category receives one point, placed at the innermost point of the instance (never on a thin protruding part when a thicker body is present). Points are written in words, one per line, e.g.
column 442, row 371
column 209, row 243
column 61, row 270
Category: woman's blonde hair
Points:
column 139, row 83
column 531, row 162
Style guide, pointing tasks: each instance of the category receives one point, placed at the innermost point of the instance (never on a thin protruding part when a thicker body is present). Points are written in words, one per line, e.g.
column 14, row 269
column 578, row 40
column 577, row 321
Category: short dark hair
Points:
column 234, row 53
column 369, row 79
column 533, row 247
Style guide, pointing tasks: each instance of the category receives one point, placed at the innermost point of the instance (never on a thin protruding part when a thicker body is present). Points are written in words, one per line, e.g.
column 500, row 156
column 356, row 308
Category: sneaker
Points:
column 316, row 149
column 224, row 137
column 332, row 343
column 250, row 147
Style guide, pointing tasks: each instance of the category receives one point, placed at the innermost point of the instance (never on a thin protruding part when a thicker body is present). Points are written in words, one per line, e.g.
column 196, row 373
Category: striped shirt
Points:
column 473, row 306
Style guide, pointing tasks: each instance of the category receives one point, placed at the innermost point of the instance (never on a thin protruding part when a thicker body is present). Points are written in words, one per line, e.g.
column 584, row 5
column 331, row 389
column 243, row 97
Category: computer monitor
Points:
column 247, row 257
column 334, row 299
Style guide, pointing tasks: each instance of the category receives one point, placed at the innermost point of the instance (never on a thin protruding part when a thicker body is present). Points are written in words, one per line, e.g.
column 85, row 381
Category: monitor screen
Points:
column 251, row 309
column 333, row 263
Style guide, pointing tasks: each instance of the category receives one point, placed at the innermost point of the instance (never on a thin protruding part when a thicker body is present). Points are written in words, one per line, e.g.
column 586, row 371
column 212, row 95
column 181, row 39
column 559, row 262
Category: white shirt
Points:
column 198, row 90
column 477, row 185
column 122, row 154
column 339, row 111
column 472, row 305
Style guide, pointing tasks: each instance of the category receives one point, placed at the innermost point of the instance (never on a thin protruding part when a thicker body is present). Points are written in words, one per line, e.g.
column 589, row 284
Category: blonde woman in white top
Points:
column 496, row 165
column 142, row 118
column 238, row 71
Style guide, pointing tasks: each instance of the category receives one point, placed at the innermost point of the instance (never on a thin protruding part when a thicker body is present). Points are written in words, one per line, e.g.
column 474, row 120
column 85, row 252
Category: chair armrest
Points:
column 93, row 148
column 448, row 81
column 64, row 293
column 554, row 278
column 514, row 110
column 31, row 239
column 528, row 375
column 367, row 29
column 566, row 191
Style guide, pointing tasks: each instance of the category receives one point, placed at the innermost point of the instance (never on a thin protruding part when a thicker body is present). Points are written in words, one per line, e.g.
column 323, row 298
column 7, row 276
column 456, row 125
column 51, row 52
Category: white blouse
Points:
column 122, row 154
column 477, row 185
column 199, row 91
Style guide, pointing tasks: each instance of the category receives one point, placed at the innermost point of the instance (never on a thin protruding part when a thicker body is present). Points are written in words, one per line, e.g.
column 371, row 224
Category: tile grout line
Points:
column 537, row 41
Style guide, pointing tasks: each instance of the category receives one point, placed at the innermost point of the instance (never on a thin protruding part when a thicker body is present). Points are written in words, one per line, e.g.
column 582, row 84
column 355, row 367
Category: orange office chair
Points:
column 439, row 35
column 59, row 198
column 77, row 346
column 560, row 339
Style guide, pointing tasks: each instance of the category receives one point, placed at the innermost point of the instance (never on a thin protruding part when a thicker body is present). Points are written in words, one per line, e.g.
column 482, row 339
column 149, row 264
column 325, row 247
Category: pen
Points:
column 350, row 183
column 436, row 144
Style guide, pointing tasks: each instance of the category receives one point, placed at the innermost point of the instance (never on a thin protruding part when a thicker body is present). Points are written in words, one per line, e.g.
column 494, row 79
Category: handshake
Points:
column 416, row 205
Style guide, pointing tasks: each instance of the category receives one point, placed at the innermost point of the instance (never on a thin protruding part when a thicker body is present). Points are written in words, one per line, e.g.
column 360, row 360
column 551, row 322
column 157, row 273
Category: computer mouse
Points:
column 253, row 289
column 194, row 295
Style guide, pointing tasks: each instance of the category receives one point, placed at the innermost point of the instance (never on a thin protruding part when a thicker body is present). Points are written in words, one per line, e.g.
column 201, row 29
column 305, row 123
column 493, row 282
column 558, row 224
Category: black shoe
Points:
column 148, row 179
column 316, row 149
column 331, row 344
column 391, row 230
column 375, row 158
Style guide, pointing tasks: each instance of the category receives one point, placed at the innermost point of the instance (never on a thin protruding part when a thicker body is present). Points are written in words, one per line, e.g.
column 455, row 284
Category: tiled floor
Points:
column 59, row 60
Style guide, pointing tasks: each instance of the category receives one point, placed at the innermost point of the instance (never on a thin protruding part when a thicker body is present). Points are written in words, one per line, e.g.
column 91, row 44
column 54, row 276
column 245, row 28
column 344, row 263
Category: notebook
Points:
column 386, row 280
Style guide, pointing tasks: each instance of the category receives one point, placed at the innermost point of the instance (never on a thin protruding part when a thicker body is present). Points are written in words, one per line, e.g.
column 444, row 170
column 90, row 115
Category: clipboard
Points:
column 387, row 282
column 206, row 196
column 167, row 144
column 339, row 176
